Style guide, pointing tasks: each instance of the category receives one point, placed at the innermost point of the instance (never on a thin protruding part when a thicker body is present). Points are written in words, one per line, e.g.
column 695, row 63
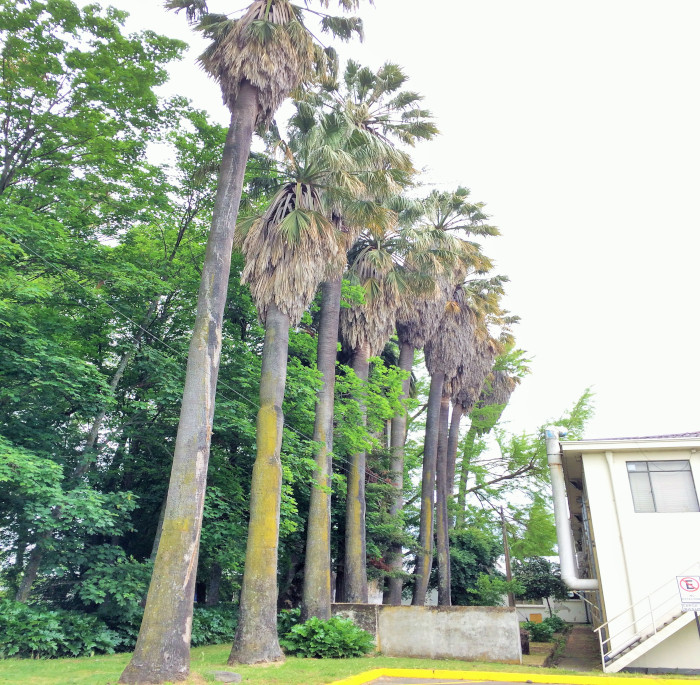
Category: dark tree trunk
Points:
column 290, row 590
column 316, row 599
column 355, row 534
column 464, row 476
column 393, row 592
column 163, row 647
column 213, row 591
column 256, row 634
column 31, row 571
column 159, row 530
column 452, row 445
column 441, row 524
column 424, row 557
column 340, row 583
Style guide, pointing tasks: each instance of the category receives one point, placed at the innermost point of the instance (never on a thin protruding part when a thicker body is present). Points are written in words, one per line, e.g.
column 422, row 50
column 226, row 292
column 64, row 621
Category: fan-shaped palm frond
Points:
column 289, row 250
column 452, row 211
column 267, row 47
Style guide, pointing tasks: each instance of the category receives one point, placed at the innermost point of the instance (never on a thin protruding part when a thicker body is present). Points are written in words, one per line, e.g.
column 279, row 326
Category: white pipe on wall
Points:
column 567, row 558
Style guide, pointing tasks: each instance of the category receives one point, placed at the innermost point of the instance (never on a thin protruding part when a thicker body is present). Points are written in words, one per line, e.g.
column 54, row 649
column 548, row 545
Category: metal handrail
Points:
column 595, row 609
column 692, row 567
column 638, row 619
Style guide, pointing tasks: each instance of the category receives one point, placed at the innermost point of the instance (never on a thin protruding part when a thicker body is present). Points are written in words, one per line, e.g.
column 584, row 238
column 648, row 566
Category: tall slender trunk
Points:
column 464, row 476
column 214, row 585
column 355, row 534
column 398, row 443
column 256, row 635
column 452, row 445
column 316, row 599
column 163, row 647
column 424, row 557
column 441, row 524
column 159, row 530
column 506, row 554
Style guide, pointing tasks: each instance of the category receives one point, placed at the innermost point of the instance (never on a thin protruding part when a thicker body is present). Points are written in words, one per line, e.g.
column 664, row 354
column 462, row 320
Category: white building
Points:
column 628, row 526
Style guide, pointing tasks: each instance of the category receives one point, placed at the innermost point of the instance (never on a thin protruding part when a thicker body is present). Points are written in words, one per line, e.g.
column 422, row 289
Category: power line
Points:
column 176, row 352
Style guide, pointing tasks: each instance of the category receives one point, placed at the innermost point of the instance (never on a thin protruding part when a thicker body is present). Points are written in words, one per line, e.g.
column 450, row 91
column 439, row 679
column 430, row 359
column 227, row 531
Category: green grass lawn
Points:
column 105, row 670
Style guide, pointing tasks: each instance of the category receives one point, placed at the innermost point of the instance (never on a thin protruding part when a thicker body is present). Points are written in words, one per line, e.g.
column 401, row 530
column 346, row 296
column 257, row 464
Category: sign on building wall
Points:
column 689, row 589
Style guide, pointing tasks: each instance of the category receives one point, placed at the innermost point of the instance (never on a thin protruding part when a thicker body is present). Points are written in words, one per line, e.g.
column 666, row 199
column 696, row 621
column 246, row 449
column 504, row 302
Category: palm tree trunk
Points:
column 163, row 647
column 424, row 557
column 452, row 445
column 316, row 599
column 441, row 524
column 256, row 635
column 464, row 476
column 355, row 534
column 398, row 442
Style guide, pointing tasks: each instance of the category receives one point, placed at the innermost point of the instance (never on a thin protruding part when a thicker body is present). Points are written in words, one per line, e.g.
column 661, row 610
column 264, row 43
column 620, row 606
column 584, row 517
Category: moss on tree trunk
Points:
column 316, row 600
column 398, row 442
column 441, row 524
column 424, row 557
column 162, row 650
column 256, row 634
column 355, row 534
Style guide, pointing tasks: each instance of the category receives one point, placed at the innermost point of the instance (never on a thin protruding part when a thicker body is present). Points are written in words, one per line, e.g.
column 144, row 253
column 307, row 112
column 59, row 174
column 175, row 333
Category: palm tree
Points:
column 485, row 297
column 464, row 391
column 386, row 266
column 478, row 352
column 418, row 319
column 257, row 60
column 289, row 250
column 444, row 353
column 365, row 329
column 377, row 112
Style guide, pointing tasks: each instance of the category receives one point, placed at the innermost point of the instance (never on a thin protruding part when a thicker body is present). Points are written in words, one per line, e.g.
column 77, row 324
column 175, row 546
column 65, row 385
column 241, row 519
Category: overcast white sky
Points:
column 578, row 124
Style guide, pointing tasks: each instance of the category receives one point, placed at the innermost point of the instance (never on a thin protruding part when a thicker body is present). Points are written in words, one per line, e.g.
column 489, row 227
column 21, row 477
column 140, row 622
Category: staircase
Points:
column 642, row 626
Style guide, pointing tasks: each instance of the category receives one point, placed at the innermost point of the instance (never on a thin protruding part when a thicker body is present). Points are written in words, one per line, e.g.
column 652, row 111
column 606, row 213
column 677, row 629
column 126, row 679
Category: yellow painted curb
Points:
column 369, row 676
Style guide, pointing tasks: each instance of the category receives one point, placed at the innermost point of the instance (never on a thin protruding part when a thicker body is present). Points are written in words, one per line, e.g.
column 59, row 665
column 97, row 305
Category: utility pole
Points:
column 506, row 550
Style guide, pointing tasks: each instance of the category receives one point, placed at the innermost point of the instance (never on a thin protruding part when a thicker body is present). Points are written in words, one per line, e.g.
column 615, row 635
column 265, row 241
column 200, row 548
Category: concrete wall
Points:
column 569, row 610
column 468, row 633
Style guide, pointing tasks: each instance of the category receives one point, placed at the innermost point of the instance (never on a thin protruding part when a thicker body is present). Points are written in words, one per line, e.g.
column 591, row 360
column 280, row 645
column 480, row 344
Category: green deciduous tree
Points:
column 539, row 579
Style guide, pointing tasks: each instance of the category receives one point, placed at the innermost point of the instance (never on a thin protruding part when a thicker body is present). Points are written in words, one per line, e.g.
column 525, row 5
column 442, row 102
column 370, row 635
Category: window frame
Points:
column 657, row 495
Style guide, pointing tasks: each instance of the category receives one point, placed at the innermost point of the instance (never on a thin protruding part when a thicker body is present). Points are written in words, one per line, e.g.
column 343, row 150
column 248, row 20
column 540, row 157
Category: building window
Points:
column 662, row 486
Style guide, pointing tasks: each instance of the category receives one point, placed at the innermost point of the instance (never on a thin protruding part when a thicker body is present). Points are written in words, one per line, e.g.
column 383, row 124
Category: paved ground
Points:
column 420, row 681
column 582, row 650
column 581, row 653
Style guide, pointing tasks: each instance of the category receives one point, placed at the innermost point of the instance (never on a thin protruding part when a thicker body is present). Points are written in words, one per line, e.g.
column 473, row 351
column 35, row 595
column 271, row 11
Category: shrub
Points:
column 539, row 632
column 335, row 638
column 28, row 631
column 214, row 625
column 555, row 623
column 37, row 632
column 287, row 619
